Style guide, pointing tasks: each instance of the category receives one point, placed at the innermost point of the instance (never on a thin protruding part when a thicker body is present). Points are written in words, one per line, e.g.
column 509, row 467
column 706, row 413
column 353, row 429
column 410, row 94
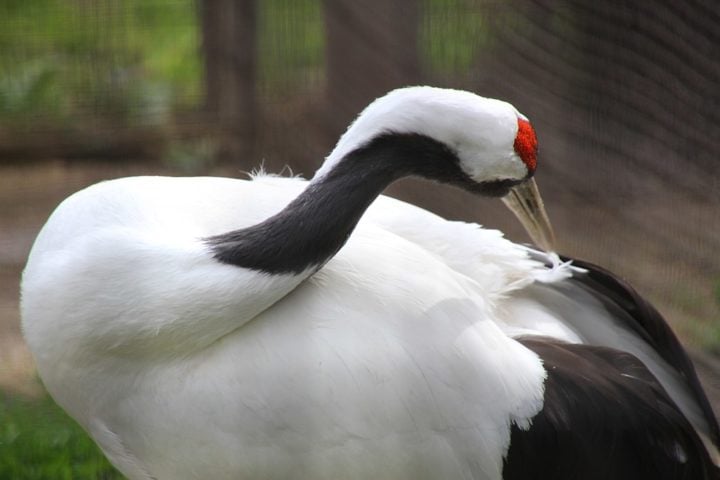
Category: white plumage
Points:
column 396, row 359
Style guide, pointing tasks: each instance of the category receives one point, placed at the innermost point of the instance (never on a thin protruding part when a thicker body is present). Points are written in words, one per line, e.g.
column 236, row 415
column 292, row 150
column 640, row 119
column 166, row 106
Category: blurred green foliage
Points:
column 452, row 33
column 703, row 326
column 139, row 61
column 63, row 58
column 38, row 441
column 714, row 335
column 291, row 45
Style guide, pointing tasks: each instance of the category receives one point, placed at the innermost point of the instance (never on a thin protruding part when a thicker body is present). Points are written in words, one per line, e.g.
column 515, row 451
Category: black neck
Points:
column 314, row 226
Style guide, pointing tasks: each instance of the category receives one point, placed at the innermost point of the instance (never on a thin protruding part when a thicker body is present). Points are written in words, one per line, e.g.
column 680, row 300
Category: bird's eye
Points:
column 526, row 144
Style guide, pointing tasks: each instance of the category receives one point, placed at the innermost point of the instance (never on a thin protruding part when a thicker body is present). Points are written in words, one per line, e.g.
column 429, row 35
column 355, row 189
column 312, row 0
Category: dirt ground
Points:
column 665, row 245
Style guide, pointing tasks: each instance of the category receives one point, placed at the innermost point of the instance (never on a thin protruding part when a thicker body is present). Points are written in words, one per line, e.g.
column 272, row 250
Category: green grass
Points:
column 38, row 441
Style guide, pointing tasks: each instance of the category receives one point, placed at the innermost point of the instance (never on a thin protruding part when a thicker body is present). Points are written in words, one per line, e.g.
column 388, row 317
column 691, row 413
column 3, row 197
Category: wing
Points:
column 643, row 319
column 581, row 303
column 593, row 307
column 605, row 416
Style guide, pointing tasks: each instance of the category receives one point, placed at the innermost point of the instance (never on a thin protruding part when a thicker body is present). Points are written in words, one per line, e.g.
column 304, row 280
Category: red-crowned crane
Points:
column 213, row 328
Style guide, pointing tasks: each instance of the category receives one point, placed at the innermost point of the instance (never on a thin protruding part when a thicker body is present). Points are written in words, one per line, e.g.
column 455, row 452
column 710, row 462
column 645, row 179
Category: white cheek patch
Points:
column 506, row 167
column 488, row 152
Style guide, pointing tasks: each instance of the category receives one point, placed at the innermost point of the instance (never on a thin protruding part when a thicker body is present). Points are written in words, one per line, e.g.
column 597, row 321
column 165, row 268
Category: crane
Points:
column 281, row 328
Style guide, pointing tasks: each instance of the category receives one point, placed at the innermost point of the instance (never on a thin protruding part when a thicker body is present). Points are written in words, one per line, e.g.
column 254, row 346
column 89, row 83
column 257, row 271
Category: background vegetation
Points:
column 38, row 441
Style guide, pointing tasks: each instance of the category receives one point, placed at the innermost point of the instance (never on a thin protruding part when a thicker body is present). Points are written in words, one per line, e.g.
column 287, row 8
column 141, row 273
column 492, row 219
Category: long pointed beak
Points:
column 525, row 202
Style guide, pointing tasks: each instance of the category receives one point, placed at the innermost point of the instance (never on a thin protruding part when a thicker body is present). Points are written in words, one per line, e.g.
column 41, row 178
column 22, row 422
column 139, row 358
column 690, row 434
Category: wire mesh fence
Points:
column 624, row 96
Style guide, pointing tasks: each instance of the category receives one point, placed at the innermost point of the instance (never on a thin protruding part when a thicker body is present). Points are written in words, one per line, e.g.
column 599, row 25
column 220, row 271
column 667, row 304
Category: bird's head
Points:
column 480, row 144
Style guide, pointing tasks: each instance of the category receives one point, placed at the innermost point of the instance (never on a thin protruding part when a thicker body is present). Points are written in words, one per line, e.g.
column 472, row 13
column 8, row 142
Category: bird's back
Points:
column 365, row 369
column 396, row 360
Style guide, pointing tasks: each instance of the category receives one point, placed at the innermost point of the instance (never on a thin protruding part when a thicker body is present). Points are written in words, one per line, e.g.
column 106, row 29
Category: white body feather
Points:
column 352, row 379
column 150, row 339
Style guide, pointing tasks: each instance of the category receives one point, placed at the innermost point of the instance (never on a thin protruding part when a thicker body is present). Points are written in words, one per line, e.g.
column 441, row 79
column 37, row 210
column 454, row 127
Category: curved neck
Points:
column 316, row 224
